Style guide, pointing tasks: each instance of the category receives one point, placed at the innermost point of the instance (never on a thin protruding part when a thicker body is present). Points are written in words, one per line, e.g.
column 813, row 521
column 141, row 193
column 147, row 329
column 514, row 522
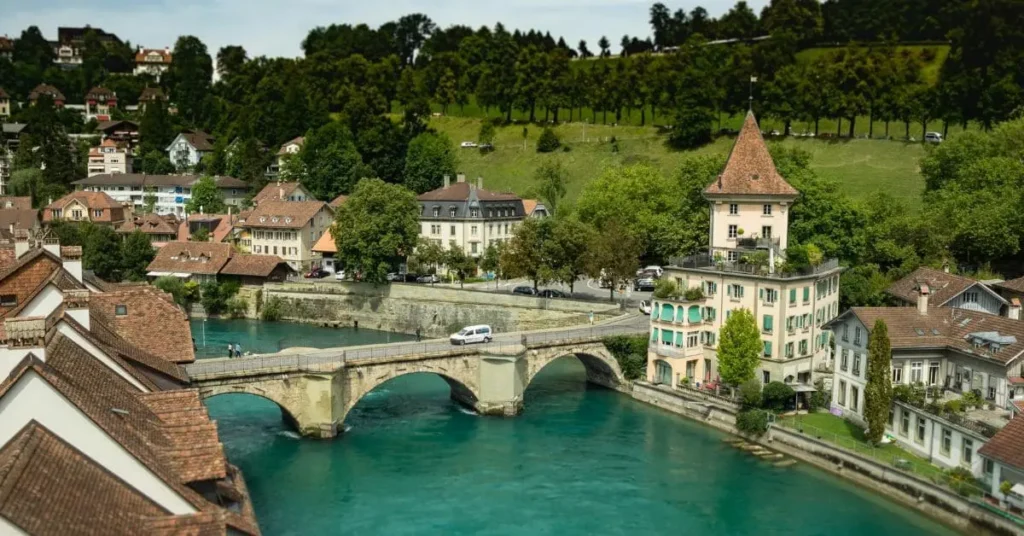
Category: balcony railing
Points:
column 704, row 261
column 766, row 242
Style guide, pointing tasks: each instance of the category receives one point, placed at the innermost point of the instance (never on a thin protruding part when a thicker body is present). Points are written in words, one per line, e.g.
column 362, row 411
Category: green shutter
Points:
column 694, row 314
column 792, row 295
column 767, row 348
column 666, row 336
column 679, row 339
column 666, row 312
column 680, row 313
column 768, row 322
column 760, row 293
column 654, row 335
column 654, row 311
column 807, row 294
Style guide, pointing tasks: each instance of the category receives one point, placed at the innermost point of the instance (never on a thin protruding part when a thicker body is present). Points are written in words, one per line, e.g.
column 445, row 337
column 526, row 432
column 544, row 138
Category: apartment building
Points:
column 152, row 61
column 742, row 270
column 466, row 215
column 288, row 229
column 172, row 192
column 109, row 159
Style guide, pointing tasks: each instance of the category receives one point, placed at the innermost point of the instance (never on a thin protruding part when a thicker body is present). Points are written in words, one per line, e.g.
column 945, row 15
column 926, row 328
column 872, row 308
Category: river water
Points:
column 579, row 461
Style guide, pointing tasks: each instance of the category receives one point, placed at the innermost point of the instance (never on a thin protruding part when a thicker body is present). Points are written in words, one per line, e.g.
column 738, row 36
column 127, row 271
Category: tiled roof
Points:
column 25, row 260
column 326, row 243
column 130, row 367
column 92, row 200
column 116, row 124
column 8, row 202
column 153, row 323
column 142, row 53
column 138, row 179
column 750, row 169
column 1007, row 446
column 284, row 214
column 191, row 258
column 100, row 94
column 45, row 89
column 20, row 218
column 943, row 327
column 460, row 191
column 151, row 94
column 1014, row 285
column 151, row 224
column 296, row 141
column 338, row 201
column 943, row 286
column 106, row 335
column 3, row 94
column 48, row 487
column 7, row 256
column 199, row 139
column 529, row 205
column 275, row 191
column 252, row 265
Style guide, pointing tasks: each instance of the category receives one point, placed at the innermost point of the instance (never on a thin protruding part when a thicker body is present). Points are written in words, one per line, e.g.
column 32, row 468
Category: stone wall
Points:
column 435, row 311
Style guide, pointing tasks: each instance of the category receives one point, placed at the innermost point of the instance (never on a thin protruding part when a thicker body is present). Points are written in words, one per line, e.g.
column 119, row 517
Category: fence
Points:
column 332, row 358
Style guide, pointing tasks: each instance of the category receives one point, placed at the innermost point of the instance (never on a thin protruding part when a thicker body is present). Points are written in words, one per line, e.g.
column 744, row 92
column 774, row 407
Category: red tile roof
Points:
column 943, row 286
column 284, row 214
column 338, row 201
column 1007, row 446
column 460, row 191
column 1014, row 285
column 150, row 224
column 253, row 265
column 4, row 95
column 326, row 243
column 89, row 199
column 153, row 322
column 191, row 258
column 100, row 94
column 141, row 56
column 14, row 202
column 275, row 191
column 152, row 94
column 750, row 169
column 45, row 89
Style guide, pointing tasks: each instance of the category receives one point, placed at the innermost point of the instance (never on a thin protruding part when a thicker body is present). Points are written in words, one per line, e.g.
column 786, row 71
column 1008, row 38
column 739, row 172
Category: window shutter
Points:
column 767, row 348
column 760, row 294
column 792, row 295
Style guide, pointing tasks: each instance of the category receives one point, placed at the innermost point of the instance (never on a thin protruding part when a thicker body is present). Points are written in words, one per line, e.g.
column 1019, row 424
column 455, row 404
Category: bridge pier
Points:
column 502, row 381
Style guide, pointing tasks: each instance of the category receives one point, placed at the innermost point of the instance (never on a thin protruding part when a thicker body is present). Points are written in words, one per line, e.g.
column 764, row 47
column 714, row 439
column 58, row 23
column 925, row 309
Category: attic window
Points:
column 263, row 219
column 274, row 219
column 935, row 331
column 121, row 310
column 755, row 176
column 288, row 219
column 8, row 300
column 919, row 331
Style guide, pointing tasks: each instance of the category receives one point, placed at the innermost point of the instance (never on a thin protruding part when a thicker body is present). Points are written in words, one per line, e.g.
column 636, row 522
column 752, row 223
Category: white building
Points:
column 152, row 61
column 288, row 229
column 172, row 192
column 188, row 148
column 109, row 159
column 288, row 150
column 746, row 270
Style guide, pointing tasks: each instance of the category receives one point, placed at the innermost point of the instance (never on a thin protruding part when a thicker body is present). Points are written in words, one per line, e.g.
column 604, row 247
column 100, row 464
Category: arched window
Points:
column 666, row 312
column 662, row 372
column 693, row 315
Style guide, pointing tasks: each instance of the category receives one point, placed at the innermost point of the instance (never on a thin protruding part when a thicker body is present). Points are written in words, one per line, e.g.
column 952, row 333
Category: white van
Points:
column 932, row 137
column 472, row 334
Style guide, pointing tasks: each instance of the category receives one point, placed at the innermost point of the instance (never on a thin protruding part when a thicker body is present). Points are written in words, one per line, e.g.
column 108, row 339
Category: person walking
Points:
column 417, row 334
column 238, row 350
column 231, row 351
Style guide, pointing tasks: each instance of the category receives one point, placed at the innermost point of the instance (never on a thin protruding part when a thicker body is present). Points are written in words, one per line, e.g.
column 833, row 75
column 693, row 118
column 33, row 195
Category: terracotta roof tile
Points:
column 100, row 94
column 152, row 94
column 1014, row 285
column 17, row 218
column 4, row 95
column 284, row 214
column 199, row 139
column 338, row 201
column 15, row 202
column 275, row 191
column 45, row 89
column 136, row 356
column 943, row 286
column 326, row 243
column 141, row 55
column 153, row 322
column 92, row 200
column 750, row 169
column 191, row 257
column 253, row 265
column 150, row 224
column 112, row 353
column 7, row 257
column 529, row 205
column 460, row 191
column 1007, row 446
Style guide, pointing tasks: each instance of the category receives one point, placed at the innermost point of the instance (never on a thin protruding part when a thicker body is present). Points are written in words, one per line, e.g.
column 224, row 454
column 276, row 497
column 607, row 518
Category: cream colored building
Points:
column 288, row 229
column 109, row 159
column 746, row 270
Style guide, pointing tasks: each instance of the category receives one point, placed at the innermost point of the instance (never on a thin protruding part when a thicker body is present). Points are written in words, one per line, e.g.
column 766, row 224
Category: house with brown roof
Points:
column 534, row 208
column 5, row 103
column 466, row 215
column 159, row 229
column 150, row 95
column 95, row 207
column 257, row 269
column 217, row 227
column 198, row 261
column 288, row 150
column 8, row 202
column 152, row 61
column 288, row 229
column 189, row 147
column 338, row 201
column 46, row 89
column 13, row 219
column 100, row 103
column 1003, row 459
column 950, row 290
column 749, row 203
column 282, row 191
column 132, row 312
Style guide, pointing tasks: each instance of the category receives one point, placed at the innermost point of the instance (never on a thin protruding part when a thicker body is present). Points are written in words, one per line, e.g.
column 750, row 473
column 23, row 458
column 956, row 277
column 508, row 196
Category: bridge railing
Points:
column 328, row 359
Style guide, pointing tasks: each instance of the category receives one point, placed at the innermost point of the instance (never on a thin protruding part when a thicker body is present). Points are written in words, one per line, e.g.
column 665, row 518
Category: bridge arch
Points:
column 461, row 373
column 602, row 368
column 291, row 414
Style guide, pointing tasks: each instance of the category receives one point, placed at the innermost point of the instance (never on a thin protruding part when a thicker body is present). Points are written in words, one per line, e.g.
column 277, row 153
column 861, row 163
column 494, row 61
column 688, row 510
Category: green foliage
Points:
column 490, row 262
column 487, row 133
column 971, row 399
column 376, row 229
column 331, row 162
column 190, row 78
column 237, row 307
column 1005, row 487
column 101, row 252
column 523, row 255
column 666, row 289
column 430, row 157
column 820, row 398
column 739, row 348
column 953, row 406
column 273, row 309
column 691, row 127
column 962, row 482
column 206, row 198
column 136, row 254
column 630, row 351
column 214, row 296
column 551, row 179
column 909, row 394
column 694, row 294
column 777, row 395
column 548, row 141
column 565, row 251
column 202, row 234
column 613, row 254
column 156, row 132
column 457, row 262
column 751, row 395
column 752, row 422
column 177, row 288
column 878, row 392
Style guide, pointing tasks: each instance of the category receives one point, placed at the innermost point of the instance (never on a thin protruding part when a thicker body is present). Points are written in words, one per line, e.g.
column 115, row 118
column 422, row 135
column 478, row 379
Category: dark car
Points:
column 529, row 291
column 643, row 285
column 410, row 278
column 317, row 273
column 552, row 293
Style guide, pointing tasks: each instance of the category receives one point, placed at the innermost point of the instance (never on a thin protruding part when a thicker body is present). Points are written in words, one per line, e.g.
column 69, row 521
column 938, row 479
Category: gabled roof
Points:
column 943, row 286
column 275, row 191
column 338, row 201
column 750, row 169
column 117, row 124
column 3, row 94
column 1013, row 285
column 1007, row 446
column 326, row 243
column 107, row 336
column 198, row 139
column 153, row 322
column 92, row 200
column 460, row 191
column 25, row 260
column 284, row 214
column 254, row 265
column 19, row 218
column 152, row 94
column 142, row 55
column 223, row 223
column 46, row 89
column 150, row 224
column 191, row 258
column 100, row 93
column 296, row 141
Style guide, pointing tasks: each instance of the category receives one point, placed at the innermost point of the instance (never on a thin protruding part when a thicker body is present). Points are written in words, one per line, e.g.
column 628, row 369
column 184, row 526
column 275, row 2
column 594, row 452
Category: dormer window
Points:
column 288, row 219
column 451, row 212
column 437, row 212
column 274, row 219
column 120, row 310
column 263, row 219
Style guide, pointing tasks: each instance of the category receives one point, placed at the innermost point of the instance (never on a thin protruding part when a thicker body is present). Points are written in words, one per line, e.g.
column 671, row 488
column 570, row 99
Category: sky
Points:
column 277, row 28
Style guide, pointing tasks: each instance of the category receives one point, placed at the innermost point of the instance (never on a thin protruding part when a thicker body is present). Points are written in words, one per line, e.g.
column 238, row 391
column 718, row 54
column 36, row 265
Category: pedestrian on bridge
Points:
column 238, row 350
column 417, row 334
column 231, row 350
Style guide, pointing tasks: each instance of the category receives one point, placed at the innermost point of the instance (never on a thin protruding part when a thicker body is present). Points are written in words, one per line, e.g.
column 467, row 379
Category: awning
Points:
column 171, row 274
column 801, row 388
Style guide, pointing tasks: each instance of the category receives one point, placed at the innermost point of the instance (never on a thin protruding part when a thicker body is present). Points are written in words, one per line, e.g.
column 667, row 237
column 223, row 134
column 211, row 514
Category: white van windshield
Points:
column 465, row 331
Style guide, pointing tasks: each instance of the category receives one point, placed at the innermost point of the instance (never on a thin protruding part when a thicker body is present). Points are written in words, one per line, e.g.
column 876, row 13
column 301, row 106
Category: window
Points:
column 792, row 296
column 76, row 214
column 710, row 288
column 856, row 336
column 789, row 349
column 766, row 210
column 452, row 230
column 768, row 323
column 933, row 373
column 897, row 374
column 692, row 339
column 472, row 247
column 904, row 422
column 767, row 348
column 807, row 294
column 733, row 256
column 856, row 365
column 920, row 430
column 970, row 297
column 968, row 452
column 732, row 231
column 472, row 230
column 844, row 361
column 120, row 310
column 474, row 212
column 734, row 209
column 8, row 300
column 846, row 332
column 769, row 295
column 451, row 212
column 98, row 213
column 988, row 466
column 803, row 347
column 766, row 231
column 734, row 291
column 915, row 372
column 842, row 393
column 56, row 213
column 947, row 441
column 437, row 212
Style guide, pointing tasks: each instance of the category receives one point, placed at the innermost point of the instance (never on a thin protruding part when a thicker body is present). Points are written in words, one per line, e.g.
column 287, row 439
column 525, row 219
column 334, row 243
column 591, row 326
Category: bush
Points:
column 909, row 394
column 750, row 394
column 215, row 296
column 820, row 398
column 630, row 352
column 953, row 406
column 970, row 399
column 548, row 141
column 237, row 307
column 752, row 421
column 175, row 287
column 665, row 289
column 633, row 366
column 776, row 395
column 273, row 309
column 962, row 481
column 694, row 294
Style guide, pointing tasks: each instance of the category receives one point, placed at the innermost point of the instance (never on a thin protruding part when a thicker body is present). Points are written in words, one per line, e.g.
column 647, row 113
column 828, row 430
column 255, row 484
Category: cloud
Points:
column 277, row 28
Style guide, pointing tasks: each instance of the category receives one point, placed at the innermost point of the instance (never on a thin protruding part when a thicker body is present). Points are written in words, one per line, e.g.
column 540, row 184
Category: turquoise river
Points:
column 579, row 461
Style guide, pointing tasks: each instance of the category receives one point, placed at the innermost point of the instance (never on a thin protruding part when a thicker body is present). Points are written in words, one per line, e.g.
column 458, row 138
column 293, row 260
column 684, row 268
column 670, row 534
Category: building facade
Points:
column 465, row 215
column 95, row 207
column 152, row 61
column 188, row 148
column 288, row 229
column 100, row 103
column 172, row 192
column 746, row 269
column 109, row 159
column 46, row 89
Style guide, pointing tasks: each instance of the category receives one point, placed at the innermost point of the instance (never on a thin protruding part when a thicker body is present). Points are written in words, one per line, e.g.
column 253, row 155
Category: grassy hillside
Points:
column 861, row 166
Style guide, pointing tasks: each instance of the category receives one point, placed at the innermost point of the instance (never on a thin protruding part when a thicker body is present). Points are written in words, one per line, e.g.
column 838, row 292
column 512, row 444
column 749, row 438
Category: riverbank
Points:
column 934, row 501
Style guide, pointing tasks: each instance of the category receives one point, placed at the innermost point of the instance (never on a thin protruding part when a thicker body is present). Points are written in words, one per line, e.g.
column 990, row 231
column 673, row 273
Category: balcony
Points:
column 766, row 242
column 706, row 262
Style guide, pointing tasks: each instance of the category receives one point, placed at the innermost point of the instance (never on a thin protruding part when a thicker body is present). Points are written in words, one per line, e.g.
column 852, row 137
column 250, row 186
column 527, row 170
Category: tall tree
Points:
column 430, row 157
column 376, row 228
column 739, row 348
column 136, row 254
column 566, row 250
column 523, row 255
column 459, row 264
column 613, row 255
column 331, row 162
column 410, row 34
column 190, row 77
column 605, row 46
column 206, row 198
column 878, row 391
column 584, row 51
column 101, row 252
column 230, row 60
column 551, row 180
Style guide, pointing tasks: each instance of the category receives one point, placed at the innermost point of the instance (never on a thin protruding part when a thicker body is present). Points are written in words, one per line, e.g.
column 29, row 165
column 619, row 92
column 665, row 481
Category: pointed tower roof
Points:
column 750, row 169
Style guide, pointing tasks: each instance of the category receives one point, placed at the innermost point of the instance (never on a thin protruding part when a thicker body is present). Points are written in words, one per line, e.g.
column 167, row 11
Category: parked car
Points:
column 645, row 307
column 410, row 278
column 487, row 146
column 524, row 290
column 653, row 269
column 643, row 285
column 471, row 335
column 468, row 144
column 340, row 275
column 317, row 273
column 552, row 293
column 395, row 277
column 428, row 279
column 933, row 137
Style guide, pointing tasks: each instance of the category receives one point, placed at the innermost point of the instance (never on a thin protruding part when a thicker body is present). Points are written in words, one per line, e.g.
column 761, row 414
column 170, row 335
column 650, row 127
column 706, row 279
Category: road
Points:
column 584, row 288
column 328, row 358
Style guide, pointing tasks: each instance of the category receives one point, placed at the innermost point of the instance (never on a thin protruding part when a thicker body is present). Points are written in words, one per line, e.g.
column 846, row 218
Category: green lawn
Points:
column 861, row 166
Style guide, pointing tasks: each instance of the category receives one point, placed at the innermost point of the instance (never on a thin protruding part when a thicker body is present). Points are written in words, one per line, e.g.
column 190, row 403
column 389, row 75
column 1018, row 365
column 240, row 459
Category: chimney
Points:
column 21, row 246
column 23, row 336
column 461, row 177
column 945, row 267
column 71, row 258
column 447, row 181
column 922, row 299
column 1014, row 312
column 76, row 304
column 479, row 183
column 280, row 194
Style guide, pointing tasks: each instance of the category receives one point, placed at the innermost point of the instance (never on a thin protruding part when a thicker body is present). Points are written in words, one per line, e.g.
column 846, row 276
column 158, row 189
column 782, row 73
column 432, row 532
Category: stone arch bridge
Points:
column 316, row 390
